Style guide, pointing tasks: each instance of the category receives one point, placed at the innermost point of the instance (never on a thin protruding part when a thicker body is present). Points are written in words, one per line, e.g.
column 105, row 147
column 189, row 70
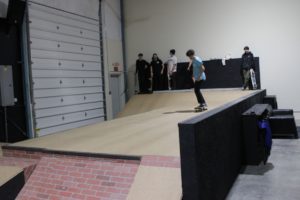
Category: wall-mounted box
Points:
column 6, row 86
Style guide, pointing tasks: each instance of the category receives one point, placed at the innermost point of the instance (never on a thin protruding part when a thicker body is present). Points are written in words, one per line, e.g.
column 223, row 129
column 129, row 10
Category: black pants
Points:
column 174, row 81
column 143, row 83
column 157, row 82
column 198, row 93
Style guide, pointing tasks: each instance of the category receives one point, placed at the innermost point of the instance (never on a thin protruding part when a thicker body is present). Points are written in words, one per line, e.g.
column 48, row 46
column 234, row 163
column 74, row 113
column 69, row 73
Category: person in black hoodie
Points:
column 157, row 67
column 142, row 68
column 247, row 64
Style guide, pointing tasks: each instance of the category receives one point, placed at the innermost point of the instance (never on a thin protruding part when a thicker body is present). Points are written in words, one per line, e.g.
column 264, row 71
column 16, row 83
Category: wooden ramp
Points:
column 146, row 129
column 11, row 182
column 7, row 173
column 153, row 132
column 156, row 183
column 178, row 100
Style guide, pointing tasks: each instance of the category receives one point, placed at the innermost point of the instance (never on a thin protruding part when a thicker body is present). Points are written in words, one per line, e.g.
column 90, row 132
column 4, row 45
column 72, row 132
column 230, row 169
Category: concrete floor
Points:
column 278, row 180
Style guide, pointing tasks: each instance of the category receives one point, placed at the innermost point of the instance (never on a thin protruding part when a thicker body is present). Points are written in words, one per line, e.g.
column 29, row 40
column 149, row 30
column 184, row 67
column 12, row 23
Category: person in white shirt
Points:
column 172, row 69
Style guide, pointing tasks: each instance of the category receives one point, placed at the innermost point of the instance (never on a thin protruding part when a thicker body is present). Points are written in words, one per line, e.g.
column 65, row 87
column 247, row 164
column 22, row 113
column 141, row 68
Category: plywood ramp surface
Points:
column 148, row 102
column 156, row 183
column 7, row 173
column 154, row 132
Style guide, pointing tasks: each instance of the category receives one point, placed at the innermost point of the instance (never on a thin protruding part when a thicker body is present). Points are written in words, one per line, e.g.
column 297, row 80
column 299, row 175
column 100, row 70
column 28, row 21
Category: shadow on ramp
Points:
column 180, row 111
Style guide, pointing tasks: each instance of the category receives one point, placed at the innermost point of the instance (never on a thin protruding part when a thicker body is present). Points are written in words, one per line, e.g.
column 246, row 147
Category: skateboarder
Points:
column 142, row 68
column 198, row 78
column 247, row 64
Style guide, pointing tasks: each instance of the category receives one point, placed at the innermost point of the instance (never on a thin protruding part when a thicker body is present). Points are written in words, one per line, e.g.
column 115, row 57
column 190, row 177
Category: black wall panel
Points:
column 11, row 54
column 211, row 149
column 218, row 76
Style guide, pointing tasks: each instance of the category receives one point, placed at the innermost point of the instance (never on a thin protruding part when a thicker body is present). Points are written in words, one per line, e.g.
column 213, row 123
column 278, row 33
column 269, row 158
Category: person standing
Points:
column 172, row 69
column 247, row 64
column 157, row 67
column 141, row 70
column 198, row 77
column 148, row 78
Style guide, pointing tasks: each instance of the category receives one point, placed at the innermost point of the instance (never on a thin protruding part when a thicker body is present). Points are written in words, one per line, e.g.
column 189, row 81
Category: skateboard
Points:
column 201, row 109
column 253, row 79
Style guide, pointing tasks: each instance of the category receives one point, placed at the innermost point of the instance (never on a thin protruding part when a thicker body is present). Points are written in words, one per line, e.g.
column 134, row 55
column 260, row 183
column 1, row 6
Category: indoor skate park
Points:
column 99, row 99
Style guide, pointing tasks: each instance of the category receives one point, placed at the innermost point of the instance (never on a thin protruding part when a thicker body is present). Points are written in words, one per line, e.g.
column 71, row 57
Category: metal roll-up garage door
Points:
column 67, row 76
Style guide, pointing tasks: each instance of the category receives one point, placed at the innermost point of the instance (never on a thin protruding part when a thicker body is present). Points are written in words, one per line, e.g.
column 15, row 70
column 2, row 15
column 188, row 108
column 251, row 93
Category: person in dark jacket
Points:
column 247, row 64
column 142, row 68
column 157, row 67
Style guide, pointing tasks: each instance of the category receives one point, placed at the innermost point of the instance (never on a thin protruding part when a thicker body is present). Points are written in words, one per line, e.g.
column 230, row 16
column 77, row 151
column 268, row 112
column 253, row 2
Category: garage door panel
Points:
column 46, row 122
column 68, row 109
column 63, row 47
column 66, row 91
column 55, row 11
column 46, row 131
column 55, row 16
column 64, row 65
column 52, row 102
column 40, row 34
column 65, row 74
column 62, row 29
column 63, row 56
column 50, row 83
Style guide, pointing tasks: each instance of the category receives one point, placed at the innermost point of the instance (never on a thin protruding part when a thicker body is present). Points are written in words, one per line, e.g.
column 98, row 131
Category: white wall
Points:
column 215, row 28
column 113, row 46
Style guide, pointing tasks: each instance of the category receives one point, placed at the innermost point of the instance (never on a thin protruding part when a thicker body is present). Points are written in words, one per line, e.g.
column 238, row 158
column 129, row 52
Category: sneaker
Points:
column 245, row 88
column 204, row 105
column 198, row 107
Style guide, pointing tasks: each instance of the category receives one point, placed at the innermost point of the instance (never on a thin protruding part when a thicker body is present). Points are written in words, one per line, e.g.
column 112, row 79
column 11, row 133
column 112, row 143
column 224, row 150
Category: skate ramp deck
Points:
column 153, row 132
column 159, row 183
column 7, row 173
column 179, row 100
column 11, row 181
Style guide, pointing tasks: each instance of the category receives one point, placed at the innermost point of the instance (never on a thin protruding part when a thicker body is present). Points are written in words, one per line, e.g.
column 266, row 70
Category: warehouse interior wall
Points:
column 112, row 38
column 112, row 45
column 216, row 28
column 12, row 115
column 113, row 49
